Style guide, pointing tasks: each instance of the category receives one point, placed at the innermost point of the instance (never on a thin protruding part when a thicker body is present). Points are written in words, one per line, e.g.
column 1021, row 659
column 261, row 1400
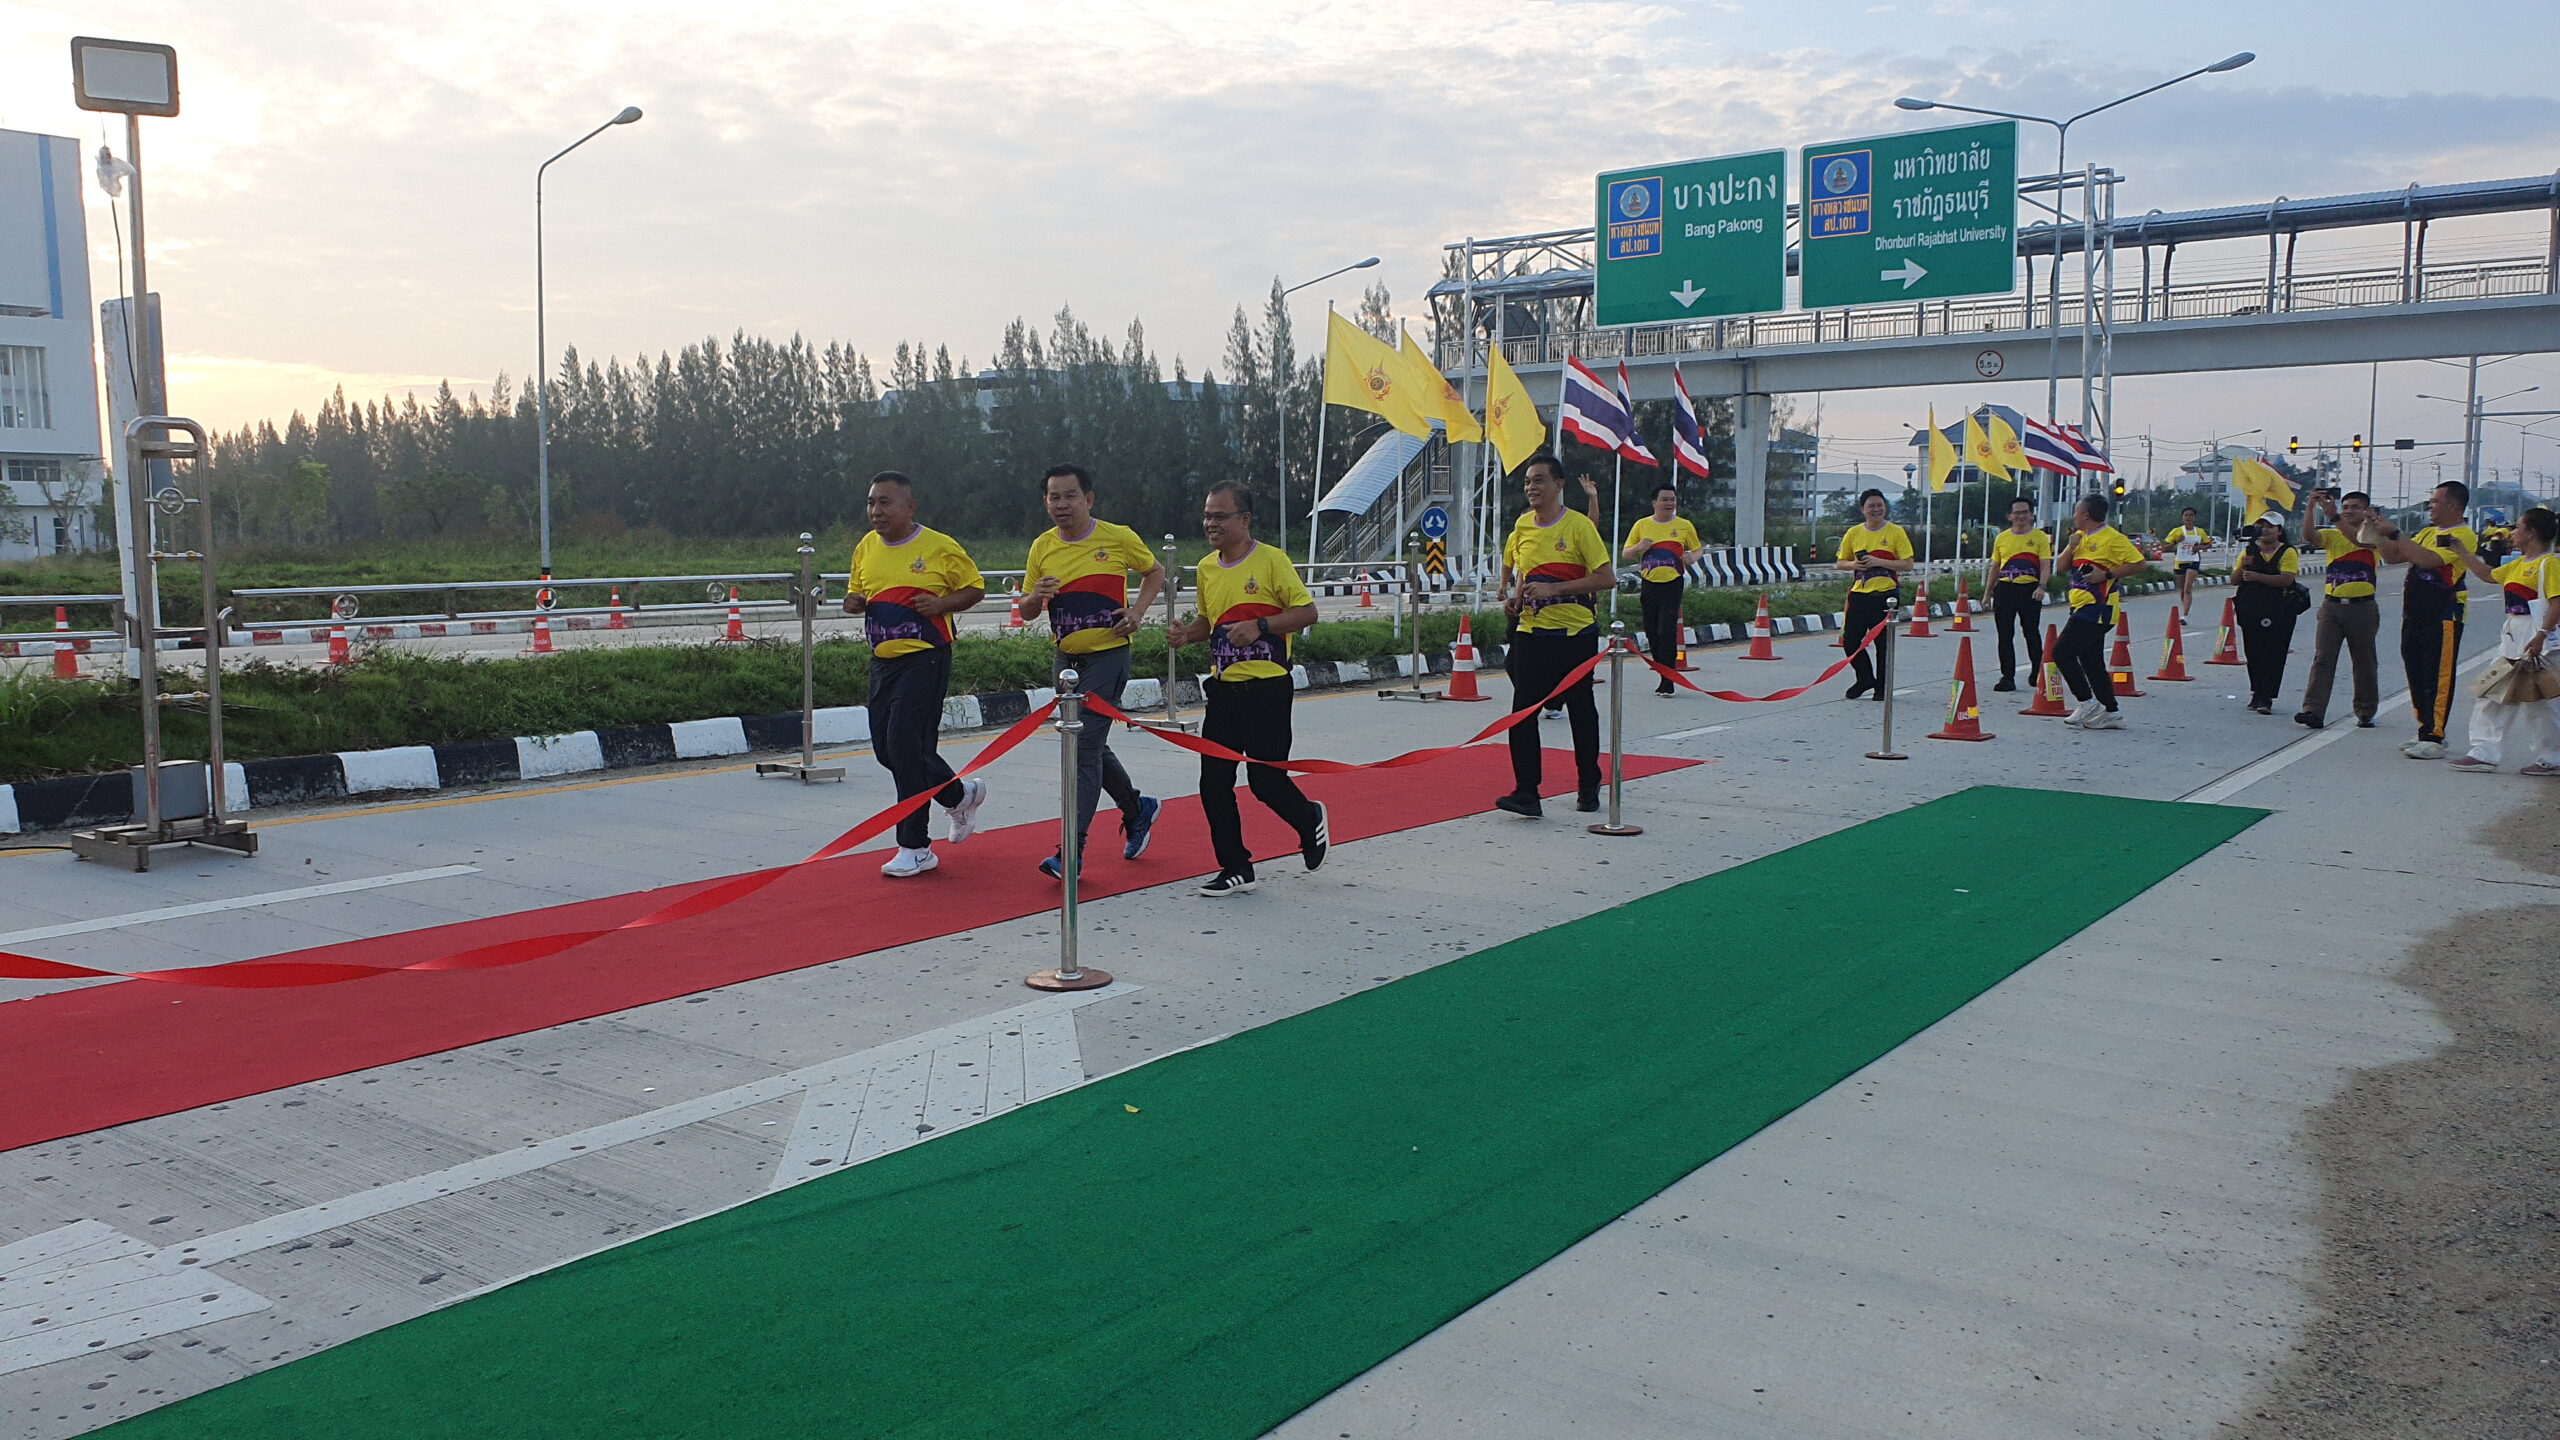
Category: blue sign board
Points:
column 1841, row 200
column 1435, row 523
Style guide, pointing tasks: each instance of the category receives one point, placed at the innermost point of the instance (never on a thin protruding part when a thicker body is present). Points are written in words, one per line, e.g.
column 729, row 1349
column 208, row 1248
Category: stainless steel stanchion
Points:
column 1617, row 642
column 804, row 599
column 1410, row 605
column 1172, row 658
column 1885, row 649
column 1070, row 975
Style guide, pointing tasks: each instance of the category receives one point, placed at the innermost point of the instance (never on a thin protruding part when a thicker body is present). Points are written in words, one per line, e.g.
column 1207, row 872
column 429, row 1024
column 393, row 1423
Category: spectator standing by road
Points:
column 2348, row 614
column 907, row 583
column 2431, row 610
column 2021, row 556
column 2530, row 587
column 2268, row 574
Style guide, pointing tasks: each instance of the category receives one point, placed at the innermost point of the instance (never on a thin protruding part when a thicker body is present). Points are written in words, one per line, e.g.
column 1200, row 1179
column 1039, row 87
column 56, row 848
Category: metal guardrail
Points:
column 115, row 604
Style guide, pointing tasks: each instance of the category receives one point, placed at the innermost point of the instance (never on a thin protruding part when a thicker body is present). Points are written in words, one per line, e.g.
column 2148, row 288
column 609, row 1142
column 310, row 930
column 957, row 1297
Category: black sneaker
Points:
column 1588, row 800
column 1226, row 882
column 1521, row 804
column 1663, row 690
column 2364, row 722
column 1858, row 688
column 2006, row 685
column 1313, row 845
column 1555, row 713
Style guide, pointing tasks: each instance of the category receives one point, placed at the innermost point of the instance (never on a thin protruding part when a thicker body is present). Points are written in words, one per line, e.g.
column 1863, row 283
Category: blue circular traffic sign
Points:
column 1435, row 522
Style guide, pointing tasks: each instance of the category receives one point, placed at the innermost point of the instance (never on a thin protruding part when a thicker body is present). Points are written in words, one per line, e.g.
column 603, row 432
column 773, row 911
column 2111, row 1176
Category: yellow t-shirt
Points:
column 1861, row 542
column 2435, row 591
column 2021, row 559
column 1262, row 583
column 1569, row 549
column 2524, row 582
column 2100, row 551
column 1092, row 572
column 2187, row 544
column 2350, row 566
column 1665, row 545
column 2287, row 559
column 927, row 562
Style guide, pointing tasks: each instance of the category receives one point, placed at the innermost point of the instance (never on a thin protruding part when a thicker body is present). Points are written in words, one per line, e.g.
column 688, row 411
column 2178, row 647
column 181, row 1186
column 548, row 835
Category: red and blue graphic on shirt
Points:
column 1663, row 553
column 2354, row 567
column 887, row 616
column 2097, row 579
column 2520, row 597
column 1224, row 652
column 1088, row 602
column 2021, row 566
column 1556, row 572
column 1874, row 572
column 2433, row 592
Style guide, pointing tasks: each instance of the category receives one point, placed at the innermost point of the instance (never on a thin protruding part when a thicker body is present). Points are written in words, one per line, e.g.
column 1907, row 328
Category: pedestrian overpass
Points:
column 1532, row 295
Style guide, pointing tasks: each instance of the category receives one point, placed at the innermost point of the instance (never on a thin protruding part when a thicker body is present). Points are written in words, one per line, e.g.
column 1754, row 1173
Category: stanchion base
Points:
column 1621, row 829
column 806, row 774
column 1054, row 980
column 1886, row 755
column 1416, row 693
column 129, row 847
column 1183, row 727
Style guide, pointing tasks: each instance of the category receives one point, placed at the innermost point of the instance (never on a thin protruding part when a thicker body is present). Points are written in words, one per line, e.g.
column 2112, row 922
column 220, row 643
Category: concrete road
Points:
column 2078, row 1206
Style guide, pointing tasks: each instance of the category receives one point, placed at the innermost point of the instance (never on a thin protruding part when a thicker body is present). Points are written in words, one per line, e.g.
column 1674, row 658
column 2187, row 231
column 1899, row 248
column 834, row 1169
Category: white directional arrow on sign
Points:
column 1908, row 273
column 1687, row 294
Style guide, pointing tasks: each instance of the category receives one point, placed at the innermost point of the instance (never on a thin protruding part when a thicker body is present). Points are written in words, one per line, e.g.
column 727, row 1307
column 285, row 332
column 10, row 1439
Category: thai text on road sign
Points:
column 1920, row 216
column 1691, row 240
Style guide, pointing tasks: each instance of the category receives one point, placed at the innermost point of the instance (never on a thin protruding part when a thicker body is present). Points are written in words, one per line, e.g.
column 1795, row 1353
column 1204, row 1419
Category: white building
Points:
column 51, row 473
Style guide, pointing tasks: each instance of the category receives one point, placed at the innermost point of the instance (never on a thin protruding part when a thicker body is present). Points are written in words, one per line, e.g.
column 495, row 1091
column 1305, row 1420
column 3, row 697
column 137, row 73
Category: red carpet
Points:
column 86, row 1059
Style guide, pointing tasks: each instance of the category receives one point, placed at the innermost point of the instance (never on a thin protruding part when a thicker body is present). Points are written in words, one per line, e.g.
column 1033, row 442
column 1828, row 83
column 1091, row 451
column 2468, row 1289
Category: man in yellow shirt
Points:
column 1078, row 574
column 2186, row 546
column 1553, row 562
column 907, row 583
column 2020, row 557
column 1251, row 602
column 1665, row 544
column 1876, row 552
column 2431, row 605
column 2096, row 557
column 2348, row 613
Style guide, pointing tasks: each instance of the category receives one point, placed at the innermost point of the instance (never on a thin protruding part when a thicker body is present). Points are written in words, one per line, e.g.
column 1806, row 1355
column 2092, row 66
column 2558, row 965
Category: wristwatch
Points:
column 1263, row 624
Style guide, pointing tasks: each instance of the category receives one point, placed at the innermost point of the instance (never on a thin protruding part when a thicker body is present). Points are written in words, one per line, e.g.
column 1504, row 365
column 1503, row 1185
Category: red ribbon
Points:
column 1667, row 673
column 282, row 974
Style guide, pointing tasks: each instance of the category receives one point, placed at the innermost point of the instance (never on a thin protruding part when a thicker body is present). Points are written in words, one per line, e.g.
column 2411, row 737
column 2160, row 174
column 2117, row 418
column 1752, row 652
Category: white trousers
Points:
column 2495, row 724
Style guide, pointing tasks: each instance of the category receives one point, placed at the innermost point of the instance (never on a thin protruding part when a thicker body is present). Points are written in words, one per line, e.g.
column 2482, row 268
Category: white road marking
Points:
column 88, row 1286
column 237, row 902
column 2248, row 775
column 1693, row 734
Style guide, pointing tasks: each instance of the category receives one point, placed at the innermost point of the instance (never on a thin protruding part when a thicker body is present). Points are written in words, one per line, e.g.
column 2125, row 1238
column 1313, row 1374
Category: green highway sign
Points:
column 1691, row 240
column 1919, row 216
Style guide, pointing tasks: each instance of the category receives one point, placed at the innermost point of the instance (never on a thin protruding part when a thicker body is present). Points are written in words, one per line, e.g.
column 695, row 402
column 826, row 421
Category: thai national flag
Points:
column 1590, row 413
column 2048, row 448
column 2084, row 452
column 1688, row 437
column 1632, row 447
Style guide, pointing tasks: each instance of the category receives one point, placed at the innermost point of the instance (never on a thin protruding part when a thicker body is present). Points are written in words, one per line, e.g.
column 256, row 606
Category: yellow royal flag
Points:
column 1435, row 396
column 2264, row 488
column 1978, row 451
column 1942, row 453
column 2004, row 443
column 1510, row 416
column 1362, row 373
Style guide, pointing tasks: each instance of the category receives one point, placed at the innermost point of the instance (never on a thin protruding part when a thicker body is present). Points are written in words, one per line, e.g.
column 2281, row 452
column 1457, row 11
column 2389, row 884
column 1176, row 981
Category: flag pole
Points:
column 1317, row 483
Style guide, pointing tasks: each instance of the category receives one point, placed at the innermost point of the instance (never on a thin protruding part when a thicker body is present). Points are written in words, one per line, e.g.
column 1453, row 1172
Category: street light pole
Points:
column 542, row 341
column 1280, row 396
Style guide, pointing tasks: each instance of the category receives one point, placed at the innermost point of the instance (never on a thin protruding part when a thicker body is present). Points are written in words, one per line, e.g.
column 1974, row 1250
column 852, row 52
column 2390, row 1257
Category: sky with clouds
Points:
column 348, row 197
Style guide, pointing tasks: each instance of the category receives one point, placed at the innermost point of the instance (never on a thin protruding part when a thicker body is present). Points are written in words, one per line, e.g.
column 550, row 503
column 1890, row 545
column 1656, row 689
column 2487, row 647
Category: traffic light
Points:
column 2293, row 446
column 2356, row 444
column 2119, row 487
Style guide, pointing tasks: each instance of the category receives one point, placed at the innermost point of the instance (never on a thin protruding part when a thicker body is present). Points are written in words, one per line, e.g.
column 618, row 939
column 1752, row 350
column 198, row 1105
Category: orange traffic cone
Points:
column 2048, row 701
column 1680, row 656
column 2227, row 651
column 1462, row 666
column 1963, row 624
column 2173, row 651
column 1366, row 603
column 338, row 643
column 614, row 620
column 1013, row 615
column 2120, row 660
column 1920, row 618
column 737, row 631
column 1762, row 647
column 1964, row 707
column 541, row 634
column 66, row 658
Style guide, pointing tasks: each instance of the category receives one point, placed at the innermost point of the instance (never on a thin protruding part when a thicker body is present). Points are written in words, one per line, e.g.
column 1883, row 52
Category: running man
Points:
column 1079, row 574
column 1875, row 552
column 1257, row 602
column 2431, row 610
column 1666, row 544
column 2097, row 556
column 2021, row 557
column 1552, row 564
column 2187, row 545
column 1590, row 508
column 2348, row 614
column 907, row 583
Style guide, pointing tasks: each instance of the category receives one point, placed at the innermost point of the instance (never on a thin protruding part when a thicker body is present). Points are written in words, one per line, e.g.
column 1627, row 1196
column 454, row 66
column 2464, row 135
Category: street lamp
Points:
column 2061, row 149
column 1280, row 392
column 542, row 340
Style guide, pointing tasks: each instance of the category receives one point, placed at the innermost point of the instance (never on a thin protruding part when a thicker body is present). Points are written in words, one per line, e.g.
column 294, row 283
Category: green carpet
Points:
column 1281, row 1210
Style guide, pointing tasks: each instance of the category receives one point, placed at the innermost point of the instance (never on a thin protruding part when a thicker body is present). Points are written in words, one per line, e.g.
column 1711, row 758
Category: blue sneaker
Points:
column 1055, row 870
column 1138, row 826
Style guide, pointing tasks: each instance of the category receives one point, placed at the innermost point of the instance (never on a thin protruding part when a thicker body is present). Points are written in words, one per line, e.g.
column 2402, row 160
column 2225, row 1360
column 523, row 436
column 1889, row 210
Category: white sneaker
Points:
column 2105, row 719
column 964, row 816
column 2423, row 750
column 2081, row 712
column 910, row 862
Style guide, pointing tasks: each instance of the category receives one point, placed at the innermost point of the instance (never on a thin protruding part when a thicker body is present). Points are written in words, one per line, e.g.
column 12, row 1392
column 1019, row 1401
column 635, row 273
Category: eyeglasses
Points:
column 1219, row 517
